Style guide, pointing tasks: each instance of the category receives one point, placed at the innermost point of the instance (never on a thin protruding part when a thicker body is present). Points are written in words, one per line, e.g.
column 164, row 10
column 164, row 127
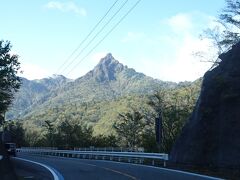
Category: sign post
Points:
column 158, row 131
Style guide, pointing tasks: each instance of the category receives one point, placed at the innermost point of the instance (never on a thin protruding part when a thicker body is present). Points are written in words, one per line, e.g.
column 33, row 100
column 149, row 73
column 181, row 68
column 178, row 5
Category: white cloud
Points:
column 187, row 66
column 66, row 7
column 31, row 71
column 180, row 22
column 180, row 65
column 132, row 36
column 182, row 44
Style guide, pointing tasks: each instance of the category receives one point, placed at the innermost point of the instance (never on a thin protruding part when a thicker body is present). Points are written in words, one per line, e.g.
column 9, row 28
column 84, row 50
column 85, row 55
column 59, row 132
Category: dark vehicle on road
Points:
column 11, row 148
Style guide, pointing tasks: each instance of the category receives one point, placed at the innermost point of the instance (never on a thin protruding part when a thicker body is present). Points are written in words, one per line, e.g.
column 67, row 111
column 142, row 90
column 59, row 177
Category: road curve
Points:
column 77, row 169
column 27, row 169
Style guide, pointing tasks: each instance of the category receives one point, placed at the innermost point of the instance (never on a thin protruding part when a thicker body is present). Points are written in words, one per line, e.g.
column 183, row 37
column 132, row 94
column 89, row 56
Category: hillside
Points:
column 107, row 81
column 32, row 93
column 94, row 99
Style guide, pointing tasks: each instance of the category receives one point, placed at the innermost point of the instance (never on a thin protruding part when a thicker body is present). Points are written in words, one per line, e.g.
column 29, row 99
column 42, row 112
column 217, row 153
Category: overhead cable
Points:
column 99, row 42
column 96, row 35
column 89, row 34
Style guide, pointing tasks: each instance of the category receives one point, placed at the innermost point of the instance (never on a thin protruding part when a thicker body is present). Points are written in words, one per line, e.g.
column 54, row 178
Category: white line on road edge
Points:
column 171, row 170
column 190, row 173
column 154, row 167
column 165, row 169
column 55, row 173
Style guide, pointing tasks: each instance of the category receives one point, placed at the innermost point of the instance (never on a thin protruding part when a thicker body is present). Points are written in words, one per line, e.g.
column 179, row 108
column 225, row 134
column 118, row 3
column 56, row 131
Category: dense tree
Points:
column 33, row 135
column 129, row 128
column 9, row 81
column 15, row 129
column 50, row 132
column 104, row 141
column 70, row 134
column 156, row 101
column 175, row 107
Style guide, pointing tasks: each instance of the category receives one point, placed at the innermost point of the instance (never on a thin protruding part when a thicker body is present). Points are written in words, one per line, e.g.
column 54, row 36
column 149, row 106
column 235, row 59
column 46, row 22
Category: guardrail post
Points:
column 164, row 163
column 153, row 162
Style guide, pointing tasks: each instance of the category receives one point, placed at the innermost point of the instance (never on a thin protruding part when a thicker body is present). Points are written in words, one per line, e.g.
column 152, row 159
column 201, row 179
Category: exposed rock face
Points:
column 211, row 137
column 107, row 69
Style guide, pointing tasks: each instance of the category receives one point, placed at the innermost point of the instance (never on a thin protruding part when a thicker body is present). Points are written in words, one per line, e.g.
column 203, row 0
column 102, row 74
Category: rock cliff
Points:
column 211, row 137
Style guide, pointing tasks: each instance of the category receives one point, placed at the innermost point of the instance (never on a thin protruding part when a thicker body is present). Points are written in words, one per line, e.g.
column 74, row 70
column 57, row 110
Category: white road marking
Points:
column 54, row 174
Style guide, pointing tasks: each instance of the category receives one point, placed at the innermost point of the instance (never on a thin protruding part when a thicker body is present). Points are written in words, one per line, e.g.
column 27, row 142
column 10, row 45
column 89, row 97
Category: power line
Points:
column 89, row 34
column 99, row 42
column 105, row 25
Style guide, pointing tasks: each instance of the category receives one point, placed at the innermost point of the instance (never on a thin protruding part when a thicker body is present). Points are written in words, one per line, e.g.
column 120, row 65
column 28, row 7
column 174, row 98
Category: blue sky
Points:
column 157, row 38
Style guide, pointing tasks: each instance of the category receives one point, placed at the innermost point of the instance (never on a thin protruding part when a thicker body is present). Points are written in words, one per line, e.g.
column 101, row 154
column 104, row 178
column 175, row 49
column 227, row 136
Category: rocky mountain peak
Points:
column 107, row 68
column 107, row 58
column 108, row 62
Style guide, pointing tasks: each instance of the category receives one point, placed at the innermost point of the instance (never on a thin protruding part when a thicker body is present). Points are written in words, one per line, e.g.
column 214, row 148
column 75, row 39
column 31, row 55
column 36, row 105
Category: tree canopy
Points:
column 230, row 19
column 129, row 128
column 224, row 34
column 9, row 81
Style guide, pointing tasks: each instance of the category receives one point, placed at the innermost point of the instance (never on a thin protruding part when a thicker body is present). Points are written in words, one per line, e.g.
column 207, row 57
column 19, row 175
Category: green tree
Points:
column 72, row 134
column 33, row 135
column 9, row 81
column 175, row 107
column 130, row 127
column 50, row 132
column 15, row 129
column 156, row 101
column 230, row 19
column 224, row 35
column 104, row 141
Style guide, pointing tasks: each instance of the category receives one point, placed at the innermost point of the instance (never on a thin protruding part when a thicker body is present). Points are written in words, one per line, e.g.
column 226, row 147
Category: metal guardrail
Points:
column 115, row 149
column 92, row 148
column 134, row 157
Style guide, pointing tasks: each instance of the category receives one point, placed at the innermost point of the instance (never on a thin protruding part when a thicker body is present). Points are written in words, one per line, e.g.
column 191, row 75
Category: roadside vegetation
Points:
column 132, row 127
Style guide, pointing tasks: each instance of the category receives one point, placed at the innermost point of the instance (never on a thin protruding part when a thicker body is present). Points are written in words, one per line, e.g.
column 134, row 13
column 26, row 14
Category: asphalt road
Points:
column 78, row 169
column 28, row 170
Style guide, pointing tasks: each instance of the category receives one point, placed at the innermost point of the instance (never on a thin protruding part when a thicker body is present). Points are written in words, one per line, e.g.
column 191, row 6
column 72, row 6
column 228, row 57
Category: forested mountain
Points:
column 107, row 81
column 33, row 93
column 94, row 99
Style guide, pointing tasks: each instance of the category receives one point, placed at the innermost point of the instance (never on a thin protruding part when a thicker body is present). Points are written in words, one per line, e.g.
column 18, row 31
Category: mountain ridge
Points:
column 107, row 81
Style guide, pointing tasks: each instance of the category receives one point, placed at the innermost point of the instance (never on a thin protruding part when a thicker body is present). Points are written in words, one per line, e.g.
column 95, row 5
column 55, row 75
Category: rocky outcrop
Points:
column 107, row 69
column 211, row 137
